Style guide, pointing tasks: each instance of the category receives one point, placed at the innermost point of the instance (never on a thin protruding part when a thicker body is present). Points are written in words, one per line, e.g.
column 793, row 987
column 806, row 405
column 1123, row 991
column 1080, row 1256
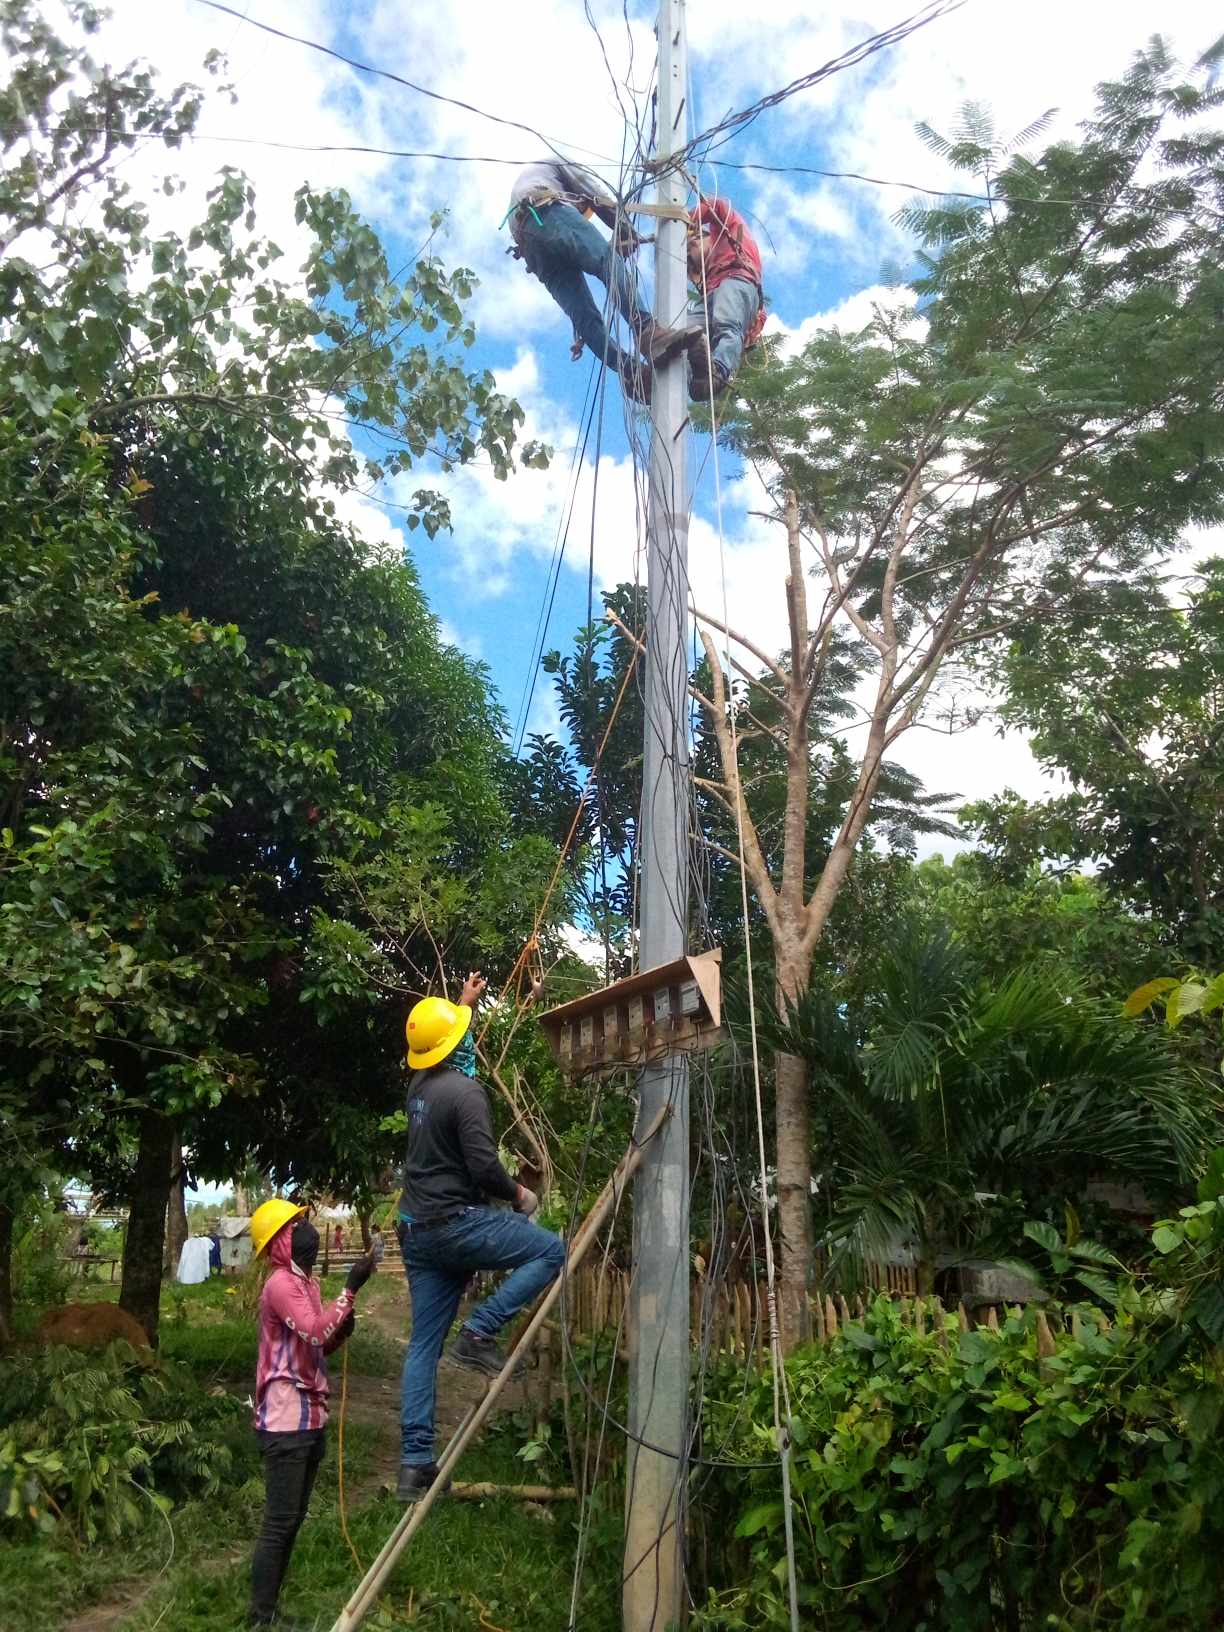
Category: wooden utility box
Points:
column 676, row 1006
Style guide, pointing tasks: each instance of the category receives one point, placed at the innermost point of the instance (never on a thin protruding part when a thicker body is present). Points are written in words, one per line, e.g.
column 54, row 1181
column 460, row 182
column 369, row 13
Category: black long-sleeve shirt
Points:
column 452, row 1157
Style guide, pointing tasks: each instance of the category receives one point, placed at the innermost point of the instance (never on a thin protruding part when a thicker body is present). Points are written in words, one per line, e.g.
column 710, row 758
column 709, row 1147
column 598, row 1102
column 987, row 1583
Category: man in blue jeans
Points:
column 551, row 206
column 448, row 1231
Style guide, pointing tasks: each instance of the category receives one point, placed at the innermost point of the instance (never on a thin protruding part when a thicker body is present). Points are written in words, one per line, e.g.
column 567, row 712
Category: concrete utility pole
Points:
column 656, row 1495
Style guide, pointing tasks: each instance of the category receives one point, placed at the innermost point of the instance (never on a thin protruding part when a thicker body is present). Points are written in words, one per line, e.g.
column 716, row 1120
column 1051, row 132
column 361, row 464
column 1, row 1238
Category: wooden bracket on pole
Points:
column 375, row 1578
column 665, row 212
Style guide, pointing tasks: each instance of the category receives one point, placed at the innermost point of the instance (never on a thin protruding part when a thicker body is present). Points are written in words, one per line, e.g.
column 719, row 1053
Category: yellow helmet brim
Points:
column 270, row 1218
column 435, row 1055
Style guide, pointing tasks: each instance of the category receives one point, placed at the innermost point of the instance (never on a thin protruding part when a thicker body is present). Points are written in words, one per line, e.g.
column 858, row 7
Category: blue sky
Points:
column 824, row 242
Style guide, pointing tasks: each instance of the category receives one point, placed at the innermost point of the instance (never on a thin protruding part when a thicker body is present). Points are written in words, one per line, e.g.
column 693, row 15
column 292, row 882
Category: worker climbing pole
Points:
column 653, row 1591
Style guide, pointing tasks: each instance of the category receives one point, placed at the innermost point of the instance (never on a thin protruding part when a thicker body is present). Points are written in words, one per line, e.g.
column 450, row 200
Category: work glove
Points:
column 527, row 1201
column 360, row 1272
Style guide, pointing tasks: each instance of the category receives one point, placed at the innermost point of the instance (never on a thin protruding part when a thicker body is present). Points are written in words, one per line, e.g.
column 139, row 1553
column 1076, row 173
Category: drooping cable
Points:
column 781, row 1392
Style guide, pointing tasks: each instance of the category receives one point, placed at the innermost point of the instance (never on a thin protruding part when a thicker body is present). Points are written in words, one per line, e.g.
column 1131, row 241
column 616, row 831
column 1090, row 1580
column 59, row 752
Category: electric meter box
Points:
column 677, row 1006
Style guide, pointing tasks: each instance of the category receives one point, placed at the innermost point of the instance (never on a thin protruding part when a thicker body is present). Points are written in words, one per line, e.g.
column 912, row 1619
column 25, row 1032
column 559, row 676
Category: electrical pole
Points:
column 657, row 1479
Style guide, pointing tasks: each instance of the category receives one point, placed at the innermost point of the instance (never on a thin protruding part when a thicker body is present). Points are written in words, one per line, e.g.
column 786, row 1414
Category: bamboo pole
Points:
column 482, row 1489
column 366, row 1593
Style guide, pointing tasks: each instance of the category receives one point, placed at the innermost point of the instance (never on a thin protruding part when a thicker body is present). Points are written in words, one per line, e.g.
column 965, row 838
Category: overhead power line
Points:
column 380, row 73
column 850, row 58
column 1008, row 199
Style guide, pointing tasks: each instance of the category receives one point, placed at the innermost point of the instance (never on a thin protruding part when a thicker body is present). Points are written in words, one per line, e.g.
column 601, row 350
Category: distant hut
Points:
column 235, row 1236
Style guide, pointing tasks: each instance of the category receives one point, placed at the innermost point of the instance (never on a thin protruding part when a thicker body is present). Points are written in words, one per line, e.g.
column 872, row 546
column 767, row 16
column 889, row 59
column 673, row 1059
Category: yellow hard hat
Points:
column 435, row 1027
column 269, row 1217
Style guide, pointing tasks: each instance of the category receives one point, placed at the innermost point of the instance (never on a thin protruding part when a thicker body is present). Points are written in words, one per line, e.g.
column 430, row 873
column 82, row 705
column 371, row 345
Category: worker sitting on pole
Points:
column 447, row 1229
column 550, row 221
column 724, row 266
column 295, row 1334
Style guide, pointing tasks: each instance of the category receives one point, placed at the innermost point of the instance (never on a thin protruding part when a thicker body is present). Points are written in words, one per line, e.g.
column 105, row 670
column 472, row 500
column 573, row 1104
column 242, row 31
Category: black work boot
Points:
column 475, row 1353
column 637, row 380
column 707, row 378
column 414, row 1480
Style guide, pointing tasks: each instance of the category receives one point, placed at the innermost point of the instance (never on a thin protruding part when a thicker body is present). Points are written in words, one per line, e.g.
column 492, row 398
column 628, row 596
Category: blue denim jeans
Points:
column 563, row 249
column 438, row 1263
column 733, row 309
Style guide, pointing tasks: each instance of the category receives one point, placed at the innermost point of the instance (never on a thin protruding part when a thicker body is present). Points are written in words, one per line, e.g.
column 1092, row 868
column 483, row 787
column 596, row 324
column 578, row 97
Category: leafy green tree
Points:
column 104, row 319
column 172, row 784
column 1068, row 924
column 941, row 1090
column 1134, row 718
column 1042, row 425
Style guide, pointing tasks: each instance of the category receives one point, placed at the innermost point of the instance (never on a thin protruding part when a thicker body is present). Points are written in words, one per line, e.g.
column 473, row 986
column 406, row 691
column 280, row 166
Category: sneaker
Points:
column 414, row 1480
column 475, row 1353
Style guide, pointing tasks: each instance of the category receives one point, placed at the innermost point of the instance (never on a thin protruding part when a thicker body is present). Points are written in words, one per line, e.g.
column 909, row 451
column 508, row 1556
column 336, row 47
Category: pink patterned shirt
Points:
column 295, row 1335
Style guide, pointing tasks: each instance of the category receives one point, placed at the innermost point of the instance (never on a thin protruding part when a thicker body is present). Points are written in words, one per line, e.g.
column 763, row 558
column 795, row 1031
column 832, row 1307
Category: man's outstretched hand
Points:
column 473, row 987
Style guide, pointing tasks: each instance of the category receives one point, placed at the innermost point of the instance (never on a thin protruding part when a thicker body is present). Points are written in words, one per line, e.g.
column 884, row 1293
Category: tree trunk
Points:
column 794, row 1178
column 367, row 1240
column 176, row 1211
column 242, row 1202
column 140, row 1293
column 6, row 1275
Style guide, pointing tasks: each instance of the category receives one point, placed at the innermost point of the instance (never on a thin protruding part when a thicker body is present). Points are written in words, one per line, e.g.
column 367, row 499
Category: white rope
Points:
column 781, row 1390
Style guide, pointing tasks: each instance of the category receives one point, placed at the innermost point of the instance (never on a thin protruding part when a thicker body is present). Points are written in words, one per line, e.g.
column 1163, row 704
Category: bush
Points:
column 41, row 1277
column 962, row 1481
column 97, row 1442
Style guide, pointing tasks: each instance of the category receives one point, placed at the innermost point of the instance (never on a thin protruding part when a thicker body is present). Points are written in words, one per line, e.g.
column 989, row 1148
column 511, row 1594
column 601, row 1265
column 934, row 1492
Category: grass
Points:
column 499, row 1558
column 497, row 1565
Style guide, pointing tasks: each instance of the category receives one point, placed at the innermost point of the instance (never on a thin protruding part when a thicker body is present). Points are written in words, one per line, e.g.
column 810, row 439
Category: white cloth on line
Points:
column 193, row 1260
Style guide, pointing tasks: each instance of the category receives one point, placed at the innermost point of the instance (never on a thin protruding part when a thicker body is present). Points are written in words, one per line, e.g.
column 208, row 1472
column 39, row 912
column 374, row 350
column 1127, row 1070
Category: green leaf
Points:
column 1186, row 999
column 1045, row 1235
column 1166, row 1238
column 766, row 1515
column 1142, row 998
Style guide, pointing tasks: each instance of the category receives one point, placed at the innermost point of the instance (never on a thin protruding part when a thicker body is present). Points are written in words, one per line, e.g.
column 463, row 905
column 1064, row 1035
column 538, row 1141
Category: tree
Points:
column 1135, row 719
column 110, row 322
column 1069, row 925
column 942, row 1091
column 163, row 774
column 1043, row 425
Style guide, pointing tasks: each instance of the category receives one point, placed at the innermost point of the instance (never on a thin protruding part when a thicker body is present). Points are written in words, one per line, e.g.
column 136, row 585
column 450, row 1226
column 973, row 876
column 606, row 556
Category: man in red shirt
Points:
column 724, row 266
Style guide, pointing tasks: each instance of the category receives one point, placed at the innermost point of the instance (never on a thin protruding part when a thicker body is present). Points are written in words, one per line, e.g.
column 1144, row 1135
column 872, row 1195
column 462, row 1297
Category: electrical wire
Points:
column 777, row 1365
column 1008, row 200
column 720, row 133
column 383, row 73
